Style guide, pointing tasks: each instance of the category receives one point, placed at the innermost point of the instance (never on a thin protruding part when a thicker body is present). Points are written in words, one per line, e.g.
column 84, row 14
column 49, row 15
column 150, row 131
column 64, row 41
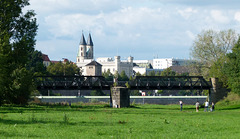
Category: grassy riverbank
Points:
column 100, row 121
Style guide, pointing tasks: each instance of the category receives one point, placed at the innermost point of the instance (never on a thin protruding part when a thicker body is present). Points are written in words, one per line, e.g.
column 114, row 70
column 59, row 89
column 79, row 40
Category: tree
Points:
column 35, row 63
column 151, row 73
column 123, row 76
column 17, row 40
column 210, row 48
column 60, row 69
column 108, row 75
column 168, row 72
column 232, row 68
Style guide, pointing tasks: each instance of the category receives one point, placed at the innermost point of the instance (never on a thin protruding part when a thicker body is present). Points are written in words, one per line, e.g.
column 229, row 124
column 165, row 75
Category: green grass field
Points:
column 100, row 121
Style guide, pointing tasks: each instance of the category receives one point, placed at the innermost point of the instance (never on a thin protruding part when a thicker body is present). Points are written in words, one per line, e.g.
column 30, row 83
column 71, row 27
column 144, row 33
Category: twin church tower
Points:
column 85, row 51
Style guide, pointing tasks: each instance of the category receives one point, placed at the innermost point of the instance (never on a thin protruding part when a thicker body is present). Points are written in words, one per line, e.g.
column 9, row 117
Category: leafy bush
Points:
column 231, row 99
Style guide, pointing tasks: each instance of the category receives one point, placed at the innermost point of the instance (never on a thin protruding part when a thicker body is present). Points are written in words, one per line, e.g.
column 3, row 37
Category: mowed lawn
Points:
column 101, row 121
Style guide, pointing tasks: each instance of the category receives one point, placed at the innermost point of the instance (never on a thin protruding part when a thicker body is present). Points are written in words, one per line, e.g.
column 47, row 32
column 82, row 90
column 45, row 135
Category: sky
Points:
column 143, row 29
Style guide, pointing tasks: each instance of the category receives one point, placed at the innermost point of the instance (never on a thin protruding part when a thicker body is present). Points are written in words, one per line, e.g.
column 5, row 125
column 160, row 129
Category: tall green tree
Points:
column 17, row 40
column 123, row 76
column 108, row 75
column 209, row 50
column 232, row 69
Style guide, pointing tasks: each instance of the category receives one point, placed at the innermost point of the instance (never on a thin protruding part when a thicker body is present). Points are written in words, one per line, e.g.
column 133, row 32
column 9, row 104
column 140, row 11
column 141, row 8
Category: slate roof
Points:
column 82, row 41
column 93, row 63
column 89, row 42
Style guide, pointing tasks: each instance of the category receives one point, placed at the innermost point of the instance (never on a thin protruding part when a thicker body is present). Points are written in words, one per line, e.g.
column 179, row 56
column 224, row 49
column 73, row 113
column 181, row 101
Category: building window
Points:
column 90, row 67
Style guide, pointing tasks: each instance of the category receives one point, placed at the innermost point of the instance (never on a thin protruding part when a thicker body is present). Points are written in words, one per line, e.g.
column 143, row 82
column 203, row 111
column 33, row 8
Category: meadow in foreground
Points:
column 101, row 121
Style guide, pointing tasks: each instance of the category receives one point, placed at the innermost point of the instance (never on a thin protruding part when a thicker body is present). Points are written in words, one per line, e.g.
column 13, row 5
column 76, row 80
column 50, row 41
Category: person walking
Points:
column 206, row 106
column 197, row 106
column 181, row 103
column 213, row 106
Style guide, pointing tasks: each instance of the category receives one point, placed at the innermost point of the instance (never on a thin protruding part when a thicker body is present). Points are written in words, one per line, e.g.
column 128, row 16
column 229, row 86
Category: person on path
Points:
column 197, row 106
column 206, row 106
column 213, row 106
column 181, row 103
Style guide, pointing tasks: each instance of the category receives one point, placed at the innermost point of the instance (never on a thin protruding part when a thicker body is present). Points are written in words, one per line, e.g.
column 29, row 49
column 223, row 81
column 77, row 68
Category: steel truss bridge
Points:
column 139, row 83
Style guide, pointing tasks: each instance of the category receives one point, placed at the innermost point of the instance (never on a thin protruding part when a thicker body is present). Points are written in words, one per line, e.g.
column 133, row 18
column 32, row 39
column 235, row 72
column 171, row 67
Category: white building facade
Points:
column 168, row 62
column 117, row 65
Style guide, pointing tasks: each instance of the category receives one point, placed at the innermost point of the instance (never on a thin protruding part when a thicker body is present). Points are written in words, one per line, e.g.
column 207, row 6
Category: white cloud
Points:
column 190, row 35
column 186, row 13
column 237, row 16
column 218, row 16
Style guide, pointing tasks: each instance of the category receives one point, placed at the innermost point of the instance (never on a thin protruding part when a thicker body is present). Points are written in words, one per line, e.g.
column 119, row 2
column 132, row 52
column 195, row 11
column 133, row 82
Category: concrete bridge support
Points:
column 217, row 92
column 120, row 97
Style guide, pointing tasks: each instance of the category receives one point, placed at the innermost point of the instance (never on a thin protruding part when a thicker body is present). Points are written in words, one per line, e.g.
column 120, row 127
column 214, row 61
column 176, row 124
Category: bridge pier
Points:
column 120, row 97
column 217, row 92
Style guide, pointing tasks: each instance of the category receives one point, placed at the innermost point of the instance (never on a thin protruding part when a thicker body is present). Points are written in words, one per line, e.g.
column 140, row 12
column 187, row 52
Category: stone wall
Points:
column 163, row 100
column 217, row 92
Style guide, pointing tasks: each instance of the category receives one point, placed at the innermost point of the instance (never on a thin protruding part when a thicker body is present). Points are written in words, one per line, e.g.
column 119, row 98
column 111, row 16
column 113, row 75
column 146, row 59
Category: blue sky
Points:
column 143, row 29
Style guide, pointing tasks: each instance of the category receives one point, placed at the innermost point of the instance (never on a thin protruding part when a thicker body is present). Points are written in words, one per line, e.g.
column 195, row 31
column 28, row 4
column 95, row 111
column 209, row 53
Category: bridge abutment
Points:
column 120, row 97
column 217, row 92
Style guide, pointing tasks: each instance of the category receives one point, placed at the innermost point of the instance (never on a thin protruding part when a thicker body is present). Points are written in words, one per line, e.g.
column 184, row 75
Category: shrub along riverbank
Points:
column 100, row 121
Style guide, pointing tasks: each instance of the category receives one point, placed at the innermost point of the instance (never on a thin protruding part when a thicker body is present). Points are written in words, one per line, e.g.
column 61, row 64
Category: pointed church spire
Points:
column 89, row 42
column 82, row 41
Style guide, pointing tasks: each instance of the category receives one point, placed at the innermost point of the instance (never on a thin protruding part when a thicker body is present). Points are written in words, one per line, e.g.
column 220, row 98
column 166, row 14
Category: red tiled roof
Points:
column 45, row 57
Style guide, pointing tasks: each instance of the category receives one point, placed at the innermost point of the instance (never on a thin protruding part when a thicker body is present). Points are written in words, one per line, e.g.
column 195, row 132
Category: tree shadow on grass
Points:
column 233, row 107
column 13, row 135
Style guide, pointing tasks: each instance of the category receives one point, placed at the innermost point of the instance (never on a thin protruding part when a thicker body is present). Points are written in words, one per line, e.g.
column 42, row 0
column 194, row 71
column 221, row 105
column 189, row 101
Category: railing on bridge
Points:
column 71, row 82
column 169, row 83
column 139, row 83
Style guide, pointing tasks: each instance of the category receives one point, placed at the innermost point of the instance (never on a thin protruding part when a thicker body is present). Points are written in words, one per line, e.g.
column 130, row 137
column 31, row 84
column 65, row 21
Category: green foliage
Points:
column 151, row 73
column 97, row 93
column 138, row 74
column 21, row 87
column 35, row 64
column 232, row 68
column 160, row 91
column 18, row 31
column 127, row 85
column 209, row 50
column 135, row 93
column 168, row 72
column 231, row 99
column 60, row 68
column 108, row 75
column 123, row 76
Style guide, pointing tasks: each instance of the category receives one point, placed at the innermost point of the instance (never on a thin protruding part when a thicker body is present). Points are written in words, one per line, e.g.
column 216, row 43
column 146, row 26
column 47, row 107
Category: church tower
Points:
column 82, row 50
column 89, row 51
column 85, row 51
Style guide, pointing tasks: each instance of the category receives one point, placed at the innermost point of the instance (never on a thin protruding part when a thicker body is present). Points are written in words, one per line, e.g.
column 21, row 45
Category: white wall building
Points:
column 168, row 62
column 116, row 65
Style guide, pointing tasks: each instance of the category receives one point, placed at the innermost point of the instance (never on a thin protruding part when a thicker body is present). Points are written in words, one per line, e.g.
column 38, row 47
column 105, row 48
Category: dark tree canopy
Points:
column 232, row 69
column 17, row 40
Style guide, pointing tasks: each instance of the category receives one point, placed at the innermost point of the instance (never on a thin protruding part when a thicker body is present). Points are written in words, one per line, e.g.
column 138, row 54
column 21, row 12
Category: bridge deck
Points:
column 139, row 83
